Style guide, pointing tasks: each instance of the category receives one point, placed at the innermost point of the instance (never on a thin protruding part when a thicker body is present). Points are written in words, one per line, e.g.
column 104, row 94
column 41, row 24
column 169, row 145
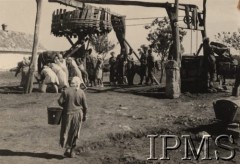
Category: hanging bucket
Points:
column 54, row 115
column 225, row 110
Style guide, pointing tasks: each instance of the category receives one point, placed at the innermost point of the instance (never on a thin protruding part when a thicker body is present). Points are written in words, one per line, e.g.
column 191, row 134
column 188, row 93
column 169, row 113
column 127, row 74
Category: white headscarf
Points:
column 76, row 82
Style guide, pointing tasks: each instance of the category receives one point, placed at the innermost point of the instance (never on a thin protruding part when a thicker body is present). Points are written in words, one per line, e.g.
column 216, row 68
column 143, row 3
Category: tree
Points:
column 160, row 38
column 101, row 44
column 230, row 38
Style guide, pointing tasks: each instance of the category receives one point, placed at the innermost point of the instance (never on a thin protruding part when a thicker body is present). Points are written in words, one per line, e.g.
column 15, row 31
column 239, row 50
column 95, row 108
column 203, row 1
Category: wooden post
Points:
column 204, row 84
column 204, row 32
column 29, row 87
column 172, row 67
column 176, row 37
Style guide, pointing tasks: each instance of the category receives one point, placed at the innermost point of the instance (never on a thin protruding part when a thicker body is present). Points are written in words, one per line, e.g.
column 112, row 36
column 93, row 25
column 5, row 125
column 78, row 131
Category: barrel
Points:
column 54, row 115
column 226, row 110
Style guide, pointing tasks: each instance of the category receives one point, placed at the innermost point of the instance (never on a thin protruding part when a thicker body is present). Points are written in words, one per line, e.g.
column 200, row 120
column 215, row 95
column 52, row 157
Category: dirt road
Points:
column 119, row 120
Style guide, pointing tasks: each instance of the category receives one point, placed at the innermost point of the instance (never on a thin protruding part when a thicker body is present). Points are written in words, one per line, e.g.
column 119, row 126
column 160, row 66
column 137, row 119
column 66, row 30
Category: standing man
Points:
column 235, row 90
column 91, row 62
column 210, row 61
column 143, row 66
column 120, row 68
column 150, row 66
column 130, row 68
column 112, row 62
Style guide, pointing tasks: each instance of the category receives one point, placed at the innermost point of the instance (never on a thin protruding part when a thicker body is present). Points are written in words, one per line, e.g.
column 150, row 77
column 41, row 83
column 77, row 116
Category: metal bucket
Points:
column 225, row 110
column 54, row 115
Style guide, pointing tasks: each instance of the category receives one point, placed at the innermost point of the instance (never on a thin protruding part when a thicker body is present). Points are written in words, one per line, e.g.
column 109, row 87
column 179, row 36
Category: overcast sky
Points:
column 222, row 15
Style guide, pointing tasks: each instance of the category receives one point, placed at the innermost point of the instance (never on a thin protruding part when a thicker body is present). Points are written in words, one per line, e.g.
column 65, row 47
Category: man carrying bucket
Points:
column 73, row 101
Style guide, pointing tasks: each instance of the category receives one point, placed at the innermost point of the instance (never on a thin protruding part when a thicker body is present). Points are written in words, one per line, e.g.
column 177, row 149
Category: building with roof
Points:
column 14, row 46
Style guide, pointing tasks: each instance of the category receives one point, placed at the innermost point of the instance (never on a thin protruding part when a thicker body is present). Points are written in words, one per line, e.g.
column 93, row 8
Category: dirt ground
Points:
column 118, row 122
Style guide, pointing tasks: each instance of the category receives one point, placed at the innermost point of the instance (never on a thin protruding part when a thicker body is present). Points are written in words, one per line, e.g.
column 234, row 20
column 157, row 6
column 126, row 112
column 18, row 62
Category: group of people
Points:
column 56, row 72
column 59, row 71
column 123, row 70
column 94, row 69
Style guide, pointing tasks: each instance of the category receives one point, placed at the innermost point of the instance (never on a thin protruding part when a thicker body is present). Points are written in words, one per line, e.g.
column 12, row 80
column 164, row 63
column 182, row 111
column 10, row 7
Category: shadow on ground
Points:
column 14, row 90
column 147, row 91
column 214, row 129
column 5, row 152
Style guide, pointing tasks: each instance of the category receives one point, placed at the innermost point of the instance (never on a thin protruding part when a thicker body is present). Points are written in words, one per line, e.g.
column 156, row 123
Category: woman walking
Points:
column 73, row 101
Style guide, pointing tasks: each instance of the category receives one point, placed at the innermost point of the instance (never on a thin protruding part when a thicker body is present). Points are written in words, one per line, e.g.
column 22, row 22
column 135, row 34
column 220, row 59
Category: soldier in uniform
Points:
column 210, row 61
column 112, row 63
column 120, row 68
column 150, row 66
column 130, row 68
column 143, row 66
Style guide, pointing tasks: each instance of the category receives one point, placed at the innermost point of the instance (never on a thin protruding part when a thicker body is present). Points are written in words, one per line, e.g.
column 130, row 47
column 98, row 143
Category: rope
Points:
column 146, row 18
column 196, row 41
column 191, row 42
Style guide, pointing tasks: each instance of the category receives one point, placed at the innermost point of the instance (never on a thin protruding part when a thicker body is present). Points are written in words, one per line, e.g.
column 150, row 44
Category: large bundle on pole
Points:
column 88, row 20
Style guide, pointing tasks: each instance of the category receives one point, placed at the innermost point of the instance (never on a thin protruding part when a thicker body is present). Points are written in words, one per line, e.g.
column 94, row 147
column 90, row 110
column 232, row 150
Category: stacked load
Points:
column 87, row 20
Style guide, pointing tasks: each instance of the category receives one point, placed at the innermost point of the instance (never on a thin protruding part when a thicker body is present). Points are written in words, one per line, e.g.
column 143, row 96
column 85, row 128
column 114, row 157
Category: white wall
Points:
column 10, row 60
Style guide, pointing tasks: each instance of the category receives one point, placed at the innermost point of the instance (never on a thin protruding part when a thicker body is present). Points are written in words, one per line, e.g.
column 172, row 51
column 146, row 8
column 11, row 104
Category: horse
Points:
column 138, row 70
column 226, row 65
column 45, row 58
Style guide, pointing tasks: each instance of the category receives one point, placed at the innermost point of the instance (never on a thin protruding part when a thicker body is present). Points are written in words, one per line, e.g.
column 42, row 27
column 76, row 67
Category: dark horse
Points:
column 44, row 58
column 138, row 70
column 226, row 65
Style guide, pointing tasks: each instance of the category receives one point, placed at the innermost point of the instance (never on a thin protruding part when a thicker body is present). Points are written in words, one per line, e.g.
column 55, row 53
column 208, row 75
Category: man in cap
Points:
column 150, row 66
column 210, row 61
column 112, row 63
column 143, row 66
column 130, row 68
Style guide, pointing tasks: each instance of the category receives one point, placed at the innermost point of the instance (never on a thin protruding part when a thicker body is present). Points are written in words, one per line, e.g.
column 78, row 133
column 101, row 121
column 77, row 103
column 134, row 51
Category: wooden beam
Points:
column 69, row 3
column 132, row 49
column 77, row 3
column 73, row 50
column 109, row 2
column 69, row 39
column 28, row 88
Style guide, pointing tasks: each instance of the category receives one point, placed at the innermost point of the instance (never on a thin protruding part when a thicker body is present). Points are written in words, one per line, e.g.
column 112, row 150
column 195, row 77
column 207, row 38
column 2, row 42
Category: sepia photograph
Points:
column 119, row 81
